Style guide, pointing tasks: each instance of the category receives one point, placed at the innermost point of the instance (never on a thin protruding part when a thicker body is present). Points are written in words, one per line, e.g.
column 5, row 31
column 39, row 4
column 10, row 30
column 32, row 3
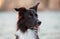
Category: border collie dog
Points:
column 28, row 23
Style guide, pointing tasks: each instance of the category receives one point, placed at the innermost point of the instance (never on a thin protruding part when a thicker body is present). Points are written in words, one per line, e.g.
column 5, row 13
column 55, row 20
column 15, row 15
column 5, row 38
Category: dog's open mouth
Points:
column 35, row 27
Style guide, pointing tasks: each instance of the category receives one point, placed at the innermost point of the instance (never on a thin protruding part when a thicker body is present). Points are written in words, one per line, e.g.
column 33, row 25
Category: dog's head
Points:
column 28, row 17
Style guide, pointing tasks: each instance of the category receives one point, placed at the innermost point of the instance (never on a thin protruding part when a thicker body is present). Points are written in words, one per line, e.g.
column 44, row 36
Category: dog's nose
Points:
column 39, row 22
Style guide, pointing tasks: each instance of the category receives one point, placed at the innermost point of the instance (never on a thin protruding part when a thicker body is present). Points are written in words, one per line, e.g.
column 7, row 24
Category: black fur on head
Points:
column 28, row 18
column 21, row 10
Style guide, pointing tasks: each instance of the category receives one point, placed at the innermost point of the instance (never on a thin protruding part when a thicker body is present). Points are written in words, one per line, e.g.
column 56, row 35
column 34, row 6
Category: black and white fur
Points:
column 28, row 23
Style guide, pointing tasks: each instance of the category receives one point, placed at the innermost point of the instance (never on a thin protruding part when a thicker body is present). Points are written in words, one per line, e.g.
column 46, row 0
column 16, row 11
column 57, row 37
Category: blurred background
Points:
column 44, row 4
column 48, row 13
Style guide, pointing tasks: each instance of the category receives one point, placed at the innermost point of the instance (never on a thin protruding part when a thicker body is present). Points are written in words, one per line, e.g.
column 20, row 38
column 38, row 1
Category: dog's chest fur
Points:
column 29, row 34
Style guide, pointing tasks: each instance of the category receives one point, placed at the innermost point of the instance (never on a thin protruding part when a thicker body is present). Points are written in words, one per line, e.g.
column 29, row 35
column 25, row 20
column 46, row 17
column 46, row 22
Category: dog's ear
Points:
column 35, row 7
column 17, row 9
column 21, row 10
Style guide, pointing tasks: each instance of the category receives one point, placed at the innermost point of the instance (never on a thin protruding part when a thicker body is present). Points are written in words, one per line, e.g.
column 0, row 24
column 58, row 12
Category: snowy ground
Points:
column 49, row 29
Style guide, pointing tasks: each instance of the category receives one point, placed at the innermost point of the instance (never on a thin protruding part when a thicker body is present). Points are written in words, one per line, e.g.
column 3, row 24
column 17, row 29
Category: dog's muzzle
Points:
column 36, row 26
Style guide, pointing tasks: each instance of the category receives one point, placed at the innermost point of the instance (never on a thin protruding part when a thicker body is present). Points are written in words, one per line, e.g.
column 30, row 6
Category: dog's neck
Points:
column 21, row 25
column 29, row 34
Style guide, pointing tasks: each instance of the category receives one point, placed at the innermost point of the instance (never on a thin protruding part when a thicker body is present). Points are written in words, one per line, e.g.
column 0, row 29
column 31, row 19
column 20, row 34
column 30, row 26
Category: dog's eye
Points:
column 36, row 15
column 31, row 14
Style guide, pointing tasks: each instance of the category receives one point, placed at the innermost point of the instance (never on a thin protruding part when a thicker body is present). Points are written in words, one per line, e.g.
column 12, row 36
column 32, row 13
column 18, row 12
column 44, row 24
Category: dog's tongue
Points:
column 35, row 27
